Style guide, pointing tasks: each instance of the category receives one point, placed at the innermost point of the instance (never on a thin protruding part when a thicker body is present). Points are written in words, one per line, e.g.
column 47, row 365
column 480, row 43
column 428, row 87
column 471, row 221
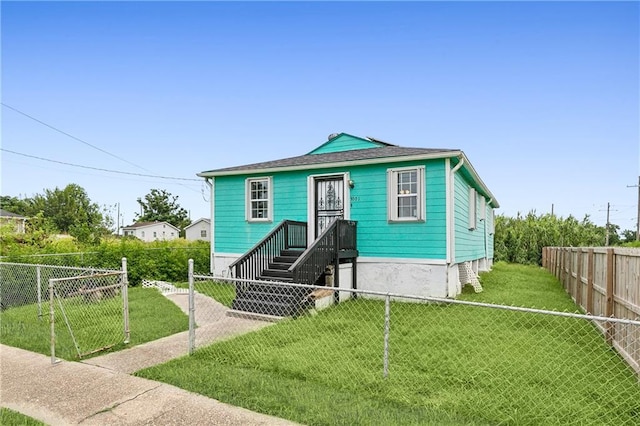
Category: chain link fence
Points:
column 73, row 311
column 495, row 364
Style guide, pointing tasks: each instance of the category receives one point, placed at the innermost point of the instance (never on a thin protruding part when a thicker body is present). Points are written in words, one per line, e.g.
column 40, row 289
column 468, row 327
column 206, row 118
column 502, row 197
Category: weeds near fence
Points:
column 151, row 317
column 448, row 364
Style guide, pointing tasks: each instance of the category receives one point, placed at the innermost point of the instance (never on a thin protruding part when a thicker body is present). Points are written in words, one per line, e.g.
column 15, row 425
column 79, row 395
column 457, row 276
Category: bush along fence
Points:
column 73, row 311
column 604, row 282
column 443, row 355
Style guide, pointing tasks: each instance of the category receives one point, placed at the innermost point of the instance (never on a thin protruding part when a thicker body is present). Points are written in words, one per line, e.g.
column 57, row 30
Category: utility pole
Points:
column 606, row 243
column 637, row 217
column 551, row 209
column 118, row 221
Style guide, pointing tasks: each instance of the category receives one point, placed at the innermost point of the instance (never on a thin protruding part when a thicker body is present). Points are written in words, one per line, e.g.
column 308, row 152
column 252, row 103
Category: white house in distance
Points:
column 198, row 230
column 152, row 231
column 18, row 222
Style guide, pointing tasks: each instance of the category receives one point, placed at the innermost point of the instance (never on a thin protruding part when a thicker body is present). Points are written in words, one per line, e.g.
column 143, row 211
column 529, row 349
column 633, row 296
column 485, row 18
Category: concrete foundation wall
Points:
column 416, row 279
column 403, row 276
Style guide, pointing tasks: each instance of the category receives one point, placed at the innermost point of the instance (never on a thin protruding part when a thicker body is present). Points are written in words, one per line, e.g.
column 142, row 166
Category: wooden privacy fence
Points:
column 605, row 282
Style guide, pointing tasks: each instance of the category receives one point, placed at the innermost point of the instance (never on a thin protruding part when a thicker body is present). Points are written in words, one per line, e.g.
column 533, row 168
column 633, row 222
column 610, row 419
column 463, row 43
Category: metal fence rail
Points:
column 432, row 347
column 74, row 311
column 27, row 283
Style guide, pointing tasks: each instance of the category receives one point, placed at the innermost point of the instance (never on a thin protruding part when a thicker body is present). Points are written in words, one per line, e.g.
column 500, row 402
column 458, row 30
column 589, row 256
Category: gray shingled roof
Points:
column 5, row 213
column 143, row 224
column 334, row 157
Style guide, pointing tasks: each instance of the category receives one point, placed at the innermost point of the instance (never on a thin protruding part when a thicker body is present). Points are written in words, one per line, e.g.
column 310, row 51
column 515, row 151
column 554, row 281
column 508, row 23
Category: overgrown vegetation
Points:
column 151, row 316
column 158, row 260
column 521, row 239
column 448, row 364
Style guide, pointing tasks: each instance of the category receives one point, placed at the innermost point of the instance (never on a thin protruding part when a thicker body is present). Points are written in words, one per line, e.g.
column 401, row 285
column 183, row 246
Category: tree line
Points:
column 520, row 239
column 71, row 211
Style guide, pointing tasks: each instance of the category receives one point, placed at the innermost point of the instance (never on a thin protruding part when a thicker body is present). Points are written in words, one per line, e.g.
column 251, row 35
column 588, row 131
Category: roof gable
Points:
column 202, row 219
column 340, row 142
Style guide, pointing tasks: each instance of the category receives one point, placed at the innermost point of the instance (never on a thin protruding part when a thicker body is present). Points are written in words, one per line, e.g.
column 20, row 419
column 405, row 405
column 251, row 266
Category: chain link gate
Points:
column 88, row 314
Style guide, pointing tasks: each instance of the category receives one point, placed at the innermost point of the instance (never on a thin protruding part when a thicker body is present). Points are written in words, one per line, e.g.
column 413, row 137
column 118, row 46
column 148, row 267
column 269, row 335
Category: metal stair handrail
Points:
column 287, row 235
column 324, row 251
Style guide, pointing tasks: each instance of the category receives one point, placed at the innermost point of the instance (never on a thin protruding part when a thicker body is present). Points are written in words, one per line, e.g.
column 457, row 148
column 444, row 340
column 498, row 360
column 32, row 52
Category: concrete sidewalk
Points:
column 72, row 393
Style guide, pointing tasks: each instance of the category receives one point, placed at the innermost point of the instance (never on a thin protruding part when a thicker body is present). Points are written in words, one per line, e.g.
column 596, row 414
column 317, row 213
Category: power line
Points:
column 98, row 168
column 94, row 147
column 71, row 136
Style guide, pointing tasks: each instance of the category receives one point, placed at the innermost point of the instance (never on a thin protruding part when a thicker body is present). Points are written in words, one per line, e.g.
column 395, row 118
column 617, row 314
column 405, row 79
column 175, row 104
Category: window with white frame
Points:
column 473, row 214
column 405, row 194
column 203, row 233
column 259, row 199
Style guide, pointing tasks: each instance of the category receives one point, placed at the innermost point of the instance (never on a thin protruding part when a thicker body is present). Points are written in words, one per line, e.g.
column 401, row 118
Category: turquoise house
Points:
column 403, row 220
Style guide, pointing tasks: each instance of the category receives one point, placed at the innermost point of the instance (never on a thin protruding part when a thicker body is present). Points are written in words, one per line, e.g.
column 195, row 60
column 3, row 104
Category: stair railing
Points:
column 324, row 251
column 288, row 234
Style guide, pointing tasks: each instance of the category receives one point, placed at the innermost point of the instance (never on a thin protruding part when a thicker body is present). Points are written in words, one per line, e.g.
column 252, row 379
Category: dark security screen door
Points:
column 329, row 202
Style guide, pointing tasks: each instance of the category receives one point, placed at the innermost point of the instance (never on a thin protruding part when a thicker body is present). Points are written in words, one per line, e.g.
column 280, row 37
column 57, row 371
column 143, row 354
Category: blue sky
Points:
column 542, row 97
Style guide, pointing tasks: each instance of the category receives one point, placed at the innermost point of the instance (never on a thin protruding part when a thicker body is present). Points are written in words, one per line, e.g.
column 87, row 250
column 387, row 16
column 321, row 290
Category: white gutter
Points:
column 451, row 213
column 212, row 220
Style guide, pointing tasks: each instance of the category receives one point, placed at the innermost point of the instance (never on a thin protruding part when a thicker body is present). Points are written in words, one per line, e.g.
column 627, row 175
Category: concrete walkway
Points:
column 101, row 391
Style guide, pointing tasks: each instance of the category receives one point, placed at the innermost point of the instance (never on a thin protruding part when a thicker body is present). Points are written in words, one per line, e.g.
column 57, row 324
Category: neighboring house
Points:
column 18, row 222
column 198, row 230
column 419, row 214
column 152, row 231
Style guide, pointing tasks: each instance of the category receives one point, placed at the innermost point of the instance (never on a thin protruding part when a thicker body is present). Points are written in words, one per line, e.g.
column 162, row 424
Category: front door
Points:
column 329, row 205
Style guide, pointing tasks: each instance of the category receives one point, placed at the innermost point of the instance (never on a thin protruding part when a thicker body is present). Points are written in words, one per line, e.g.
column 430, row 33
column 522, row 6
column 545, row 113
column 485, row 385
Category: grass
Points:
column 521, row 285
column 448, row 364
column 9, row 418
column 222, row 292
column 98, row 324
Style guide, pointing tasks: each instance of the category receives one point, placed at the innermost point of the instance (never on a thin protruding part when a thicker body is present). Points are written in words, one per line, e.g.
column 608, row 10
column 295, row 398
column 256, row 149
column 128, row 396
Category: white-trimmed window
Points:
column 405, row 194
column 203, row 233
column 473, row 214
column 259, row 199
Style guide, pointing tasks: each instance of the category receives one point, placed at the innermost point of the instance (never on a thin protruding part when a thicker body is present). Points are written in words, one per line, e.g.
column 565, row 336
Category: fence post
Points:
column 387, row 315
column 192, row 311
column 567, row 269
column 579, row 279
column 52, row 323
column 125, row 301
column 591, row 264
column 610, row 289
column 39, row 284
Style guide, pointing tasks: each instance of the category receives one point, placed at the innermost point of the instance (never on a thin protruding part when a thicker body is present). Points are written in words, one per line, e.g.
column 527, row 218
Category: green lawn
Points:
column 448, row 364
column 97, row 324
column 11, row 418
